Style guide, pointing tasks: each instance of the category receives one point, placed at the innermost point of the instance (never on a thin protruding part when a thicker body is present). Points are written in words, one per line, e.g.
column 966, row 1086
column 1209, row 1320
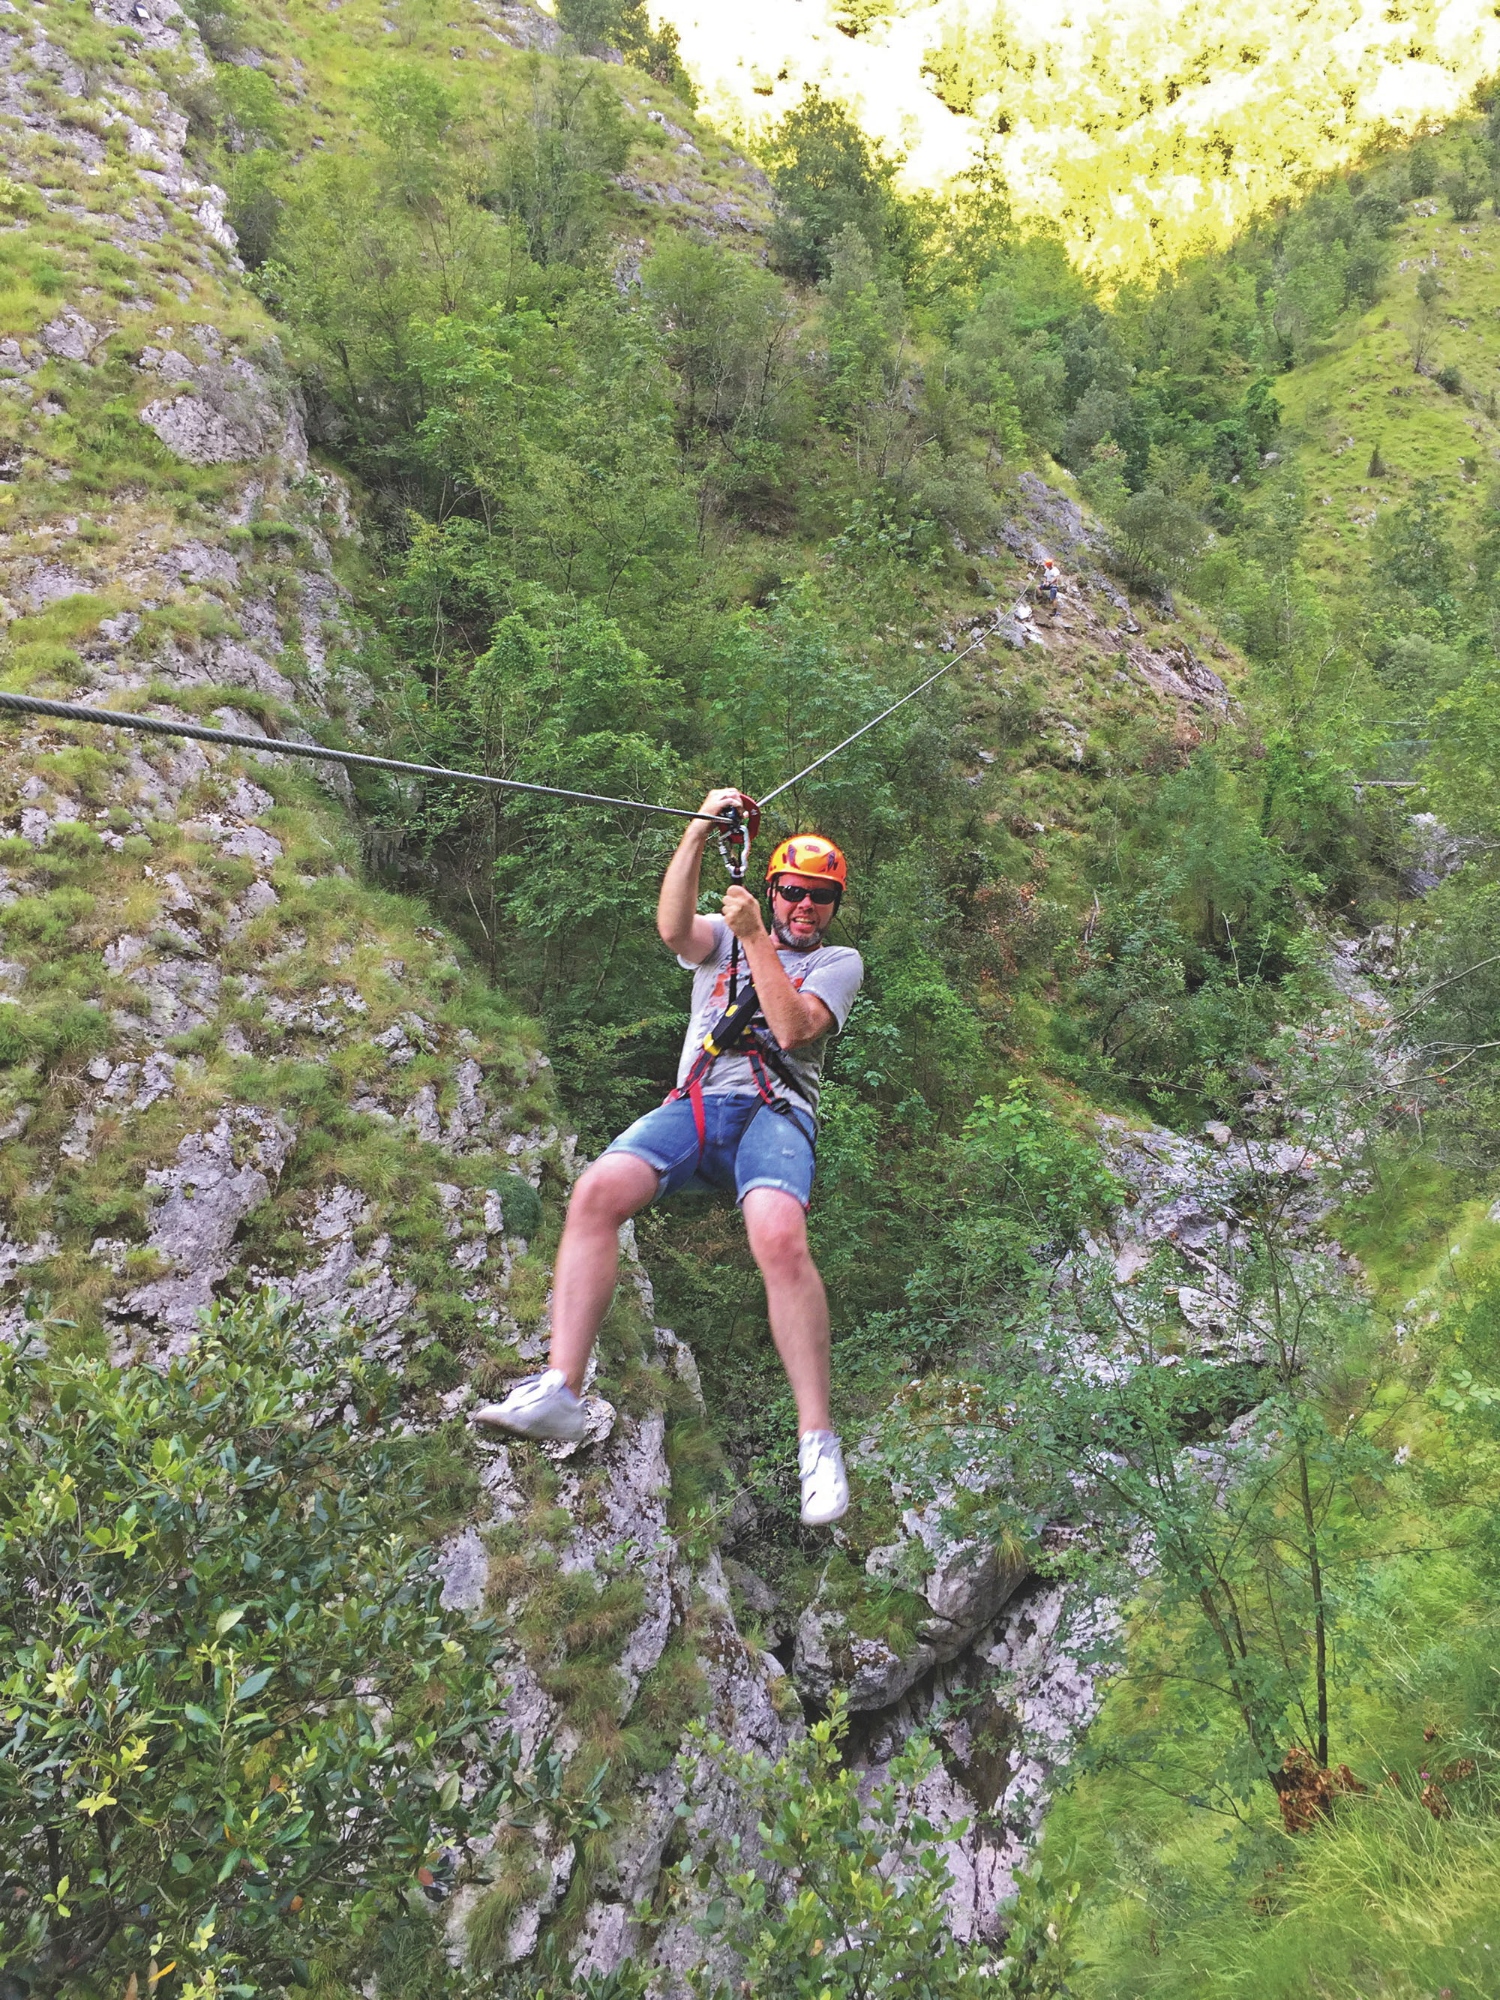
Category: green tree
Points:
column 1422, row 170
column 556, row 431
column 378, row 243
column 561, row 141
column 430, row 220
column 598, row 25
column 233, row 1724
column 1486, row 554
column 1413, row 564
column 563, row 700
column 1009, row 1196
column 727, row 328
column 827, row 179
column 864, row 326
column 1466, row 186
column 1156, row 536
column 1258, row 1544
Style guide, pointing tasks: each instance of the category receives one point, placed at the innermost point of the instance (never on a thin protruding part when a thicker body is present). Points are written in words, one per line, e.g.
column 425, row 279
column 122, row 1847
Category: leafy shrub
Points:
column 597, row 25
column 1468, row 184
column 520, row 1205
column 1181, row 982
column 221, row 23
column 1157, row 537
column 848, row 1898
column 1421, row 172
column 232, row 1722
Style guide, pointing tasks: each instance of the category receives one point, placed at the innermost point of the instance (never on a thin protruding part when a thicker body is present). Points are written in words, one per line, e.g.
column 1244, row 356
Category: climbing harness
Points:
column 740, row 1029
column 736, row 1029
column 737, row 1032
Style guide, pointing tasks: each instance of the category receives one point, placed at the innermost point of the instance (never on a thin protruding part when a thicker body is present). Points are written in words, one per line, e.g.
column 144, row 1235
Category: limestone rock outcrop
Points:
column 226, row 1063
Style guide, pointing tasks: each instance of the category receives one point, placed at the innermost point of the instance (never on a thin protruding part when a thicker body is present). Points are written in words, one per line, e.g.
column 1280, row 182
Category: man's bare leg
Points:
column 797, row 1302
column 616, row 1187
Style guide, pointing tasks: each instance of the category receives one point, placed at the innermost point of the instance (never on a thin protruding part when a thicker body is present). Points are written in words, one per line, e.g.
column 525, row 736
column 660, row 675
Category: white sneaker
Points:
column 543, row 1406
column 825, row 1487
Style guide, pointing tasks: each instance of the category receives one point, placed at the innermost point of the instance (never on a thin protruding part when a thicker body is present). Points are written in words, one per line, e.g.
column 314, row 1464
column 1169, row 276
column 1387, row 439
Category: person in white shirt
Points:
column 743, row 1117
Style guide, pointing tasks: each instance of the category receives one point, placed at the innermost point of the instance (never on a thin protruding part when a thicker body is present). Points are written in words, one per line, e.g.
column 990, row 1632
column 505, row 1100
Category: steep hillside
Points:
column 439, row 386
column 1412, row 384
column 231, row 1060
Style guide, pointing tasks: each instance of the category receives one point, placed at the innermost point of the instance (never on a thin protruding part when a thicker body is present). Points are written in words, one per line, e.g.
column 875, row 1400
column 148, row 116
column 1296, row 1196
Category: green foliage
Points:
column 1010, row 1194
column 252, row 106
column 1259, row 1546
column 221, row 23
column 562, row 144
column 828, row 179
column 726, row 324
column 560, row 429
column 1413, row 562
column 1158, row 536
column 597, row 25
column 434, row 219
column 1183, row 979
column 520, row 1204
column 1395, row 1883
column 1467, row 185
column 845, row 1900
column 235, row 1725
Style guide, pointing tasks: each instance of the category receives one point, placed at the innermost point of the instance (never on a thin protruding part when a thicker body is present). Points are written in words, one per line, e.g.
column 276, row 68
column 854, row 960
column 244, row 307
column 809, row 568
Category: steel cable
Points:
column 155, row 725
column 874, row 719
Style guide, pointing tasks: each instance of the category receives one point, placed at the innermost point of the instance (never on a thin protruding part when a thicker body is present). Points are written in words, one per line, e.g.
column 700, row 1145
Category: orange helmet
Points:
column 808, row 854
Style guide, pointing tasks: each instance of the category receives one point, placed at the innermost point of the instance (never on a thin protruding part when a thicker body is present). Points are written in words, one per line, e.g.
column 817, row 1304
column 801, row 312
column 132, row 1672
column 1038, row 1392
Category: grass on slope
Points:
column 325, row 64
column 1191, row 1898
column 1363, row 393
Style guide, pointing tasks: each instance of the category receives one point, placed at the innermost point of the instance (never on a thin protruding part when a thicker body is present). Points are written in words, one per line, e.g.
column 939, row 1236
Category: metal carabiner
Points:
column 735, row 839
column 734, row 848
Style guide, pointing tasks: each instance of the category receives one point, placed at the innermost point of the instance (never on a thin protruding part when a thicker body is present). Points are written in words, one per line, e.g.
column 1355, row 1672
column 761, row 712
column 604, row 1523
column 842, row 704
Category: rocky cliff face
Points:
column 228, row 1061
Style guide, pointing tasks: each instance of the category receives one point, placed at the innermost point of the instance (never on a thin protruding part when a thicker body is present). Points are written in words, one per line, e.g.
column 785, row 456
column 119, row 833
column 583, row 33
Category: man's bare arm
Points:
column 678, row 923
column 794, row 1018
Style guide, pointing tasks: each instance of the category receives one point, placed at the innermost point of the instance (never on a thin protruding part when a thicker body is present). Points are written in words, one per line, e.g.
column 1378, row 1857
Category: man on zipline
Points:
column 744, row 1119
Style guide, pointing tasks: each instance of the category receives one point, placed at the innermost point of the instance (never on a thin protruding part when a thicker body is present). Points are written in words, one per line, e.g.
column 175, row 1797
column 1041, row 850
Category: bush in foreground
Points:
column 234, row 1729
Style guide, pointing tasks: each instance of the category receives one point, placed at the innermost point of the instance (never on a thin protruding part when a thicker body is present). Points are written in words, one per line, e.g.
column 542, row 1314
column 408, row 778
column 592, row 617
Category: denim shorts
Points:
column 746, row 1145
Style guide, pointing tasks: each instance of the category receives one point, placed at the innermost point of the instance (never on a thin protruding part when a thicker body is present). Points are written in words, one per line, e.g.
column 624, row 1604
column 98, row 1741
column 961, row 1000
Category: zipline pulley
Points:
column 736, row 831
column 739, row 826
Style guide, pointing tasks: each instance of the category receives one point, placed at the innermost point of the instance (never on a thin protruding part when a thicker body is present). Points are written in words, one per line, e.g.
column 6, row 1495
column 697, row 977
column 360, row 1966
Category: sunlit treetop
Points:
column 1140, row 128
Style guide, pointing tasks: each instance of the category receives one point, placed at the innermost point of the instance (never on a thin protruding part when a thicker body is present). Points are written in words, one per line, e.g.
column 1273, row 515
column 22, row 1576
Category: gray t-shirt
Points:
column 832, row 973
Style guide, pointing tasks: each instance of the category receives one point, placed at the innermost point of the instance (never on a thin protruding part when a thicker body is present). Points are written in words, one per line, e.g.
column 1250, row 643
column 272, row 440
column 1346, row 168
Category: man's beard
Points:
column 785, row 937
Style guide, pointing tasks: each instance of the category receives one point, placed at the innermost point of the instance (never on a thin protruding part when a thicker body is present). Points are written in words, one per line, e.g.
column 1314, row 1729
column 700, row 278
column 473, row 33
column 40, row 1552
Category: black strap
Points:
column 739, row 1031
column 763, row 1058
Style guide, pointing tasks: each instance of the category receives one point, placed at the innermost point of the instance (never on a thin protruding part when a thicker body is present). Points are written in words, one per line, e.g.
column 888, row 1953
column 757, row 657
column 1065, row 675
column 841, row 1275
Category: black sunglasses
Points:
column 793, row 892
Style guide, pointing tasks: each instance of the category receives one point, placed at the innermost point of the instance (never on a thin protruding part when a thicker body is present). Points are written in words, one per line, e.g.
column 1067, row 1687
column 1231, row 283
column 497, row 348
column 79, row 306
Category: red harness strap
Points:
column 693, row 1087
